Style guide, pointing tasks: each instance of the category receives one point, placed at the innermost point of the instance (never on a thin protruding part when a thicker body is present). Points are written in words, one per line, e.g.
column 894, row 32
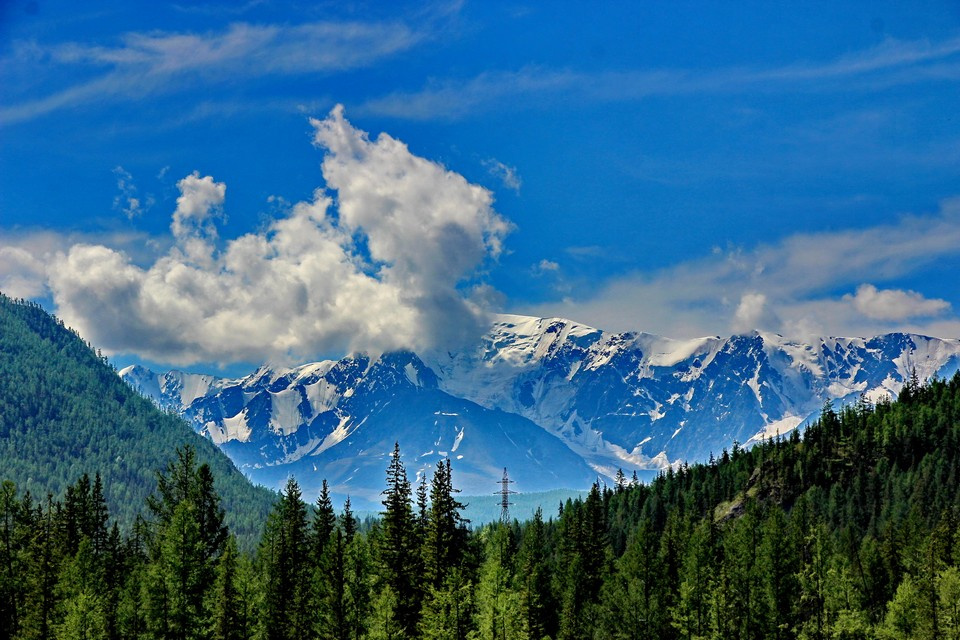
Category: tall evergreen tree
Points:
column 533, row 581
column 284, row 550
column 358, row 575
column 176, row 580
column 40, row 606
column 498, row 604
column 445, row 537
column 398, row 549
column 229, row 619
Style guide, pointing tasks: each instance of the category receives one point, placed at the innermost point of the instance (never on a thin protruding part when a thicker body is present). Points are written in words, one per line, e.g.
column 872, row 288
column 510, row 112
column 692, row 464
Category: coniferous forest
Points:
column 848, row 532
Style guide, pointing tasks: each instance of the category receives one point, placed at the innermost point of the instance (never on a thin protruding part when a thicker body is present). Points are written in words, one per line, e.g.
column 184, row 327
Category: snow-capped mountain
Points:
column 338, row 420
column 554, row 401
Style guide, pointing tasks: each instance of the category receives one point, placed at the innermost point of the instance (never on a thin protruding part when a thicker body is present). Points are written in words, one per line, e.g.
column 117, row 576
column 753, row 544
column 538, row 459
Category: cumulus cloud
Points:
column 26, row 255
column 894, row 304
column 799, row 286
column 380, row 266
column 200, row 201
column 22, row 274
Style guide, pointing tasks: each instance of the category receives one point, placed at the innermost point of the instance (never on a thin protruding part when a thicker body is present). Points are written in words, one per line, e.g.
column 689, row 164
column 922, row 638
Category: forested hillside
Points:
column 65, row 412
column 849, row 532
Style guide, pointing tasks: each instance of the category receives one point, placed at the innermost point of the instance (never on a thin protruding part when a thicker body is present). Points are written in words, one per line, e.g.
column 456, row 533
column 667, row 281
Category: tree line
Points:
column 848, row 532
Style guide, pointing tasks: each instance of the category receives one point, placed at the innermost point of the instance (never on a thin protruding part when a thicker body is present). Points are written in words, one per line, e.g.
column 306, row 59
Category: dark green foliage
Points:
column 398, row 547
column 230, row 609
column 445, row 535
column 285, row 554
column 64, row 412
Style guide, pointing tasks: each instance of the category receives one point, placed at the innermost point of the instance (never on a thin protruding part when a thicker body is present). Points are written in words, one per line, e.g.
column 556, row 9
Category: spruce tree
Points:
column 228, row 609
column 347, row 521
column 445, row 537
column 398, row 547
column 40, row 607
column 324, row 522
column 498, row 604
column 533, row 581
column 358, row 597
column 284, row 548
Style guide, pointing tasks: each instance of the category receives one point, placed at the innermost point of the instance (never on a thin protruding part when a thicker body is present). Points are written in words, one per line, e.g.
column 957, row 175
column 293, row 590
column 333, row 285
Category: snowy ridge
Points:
column 601, row 400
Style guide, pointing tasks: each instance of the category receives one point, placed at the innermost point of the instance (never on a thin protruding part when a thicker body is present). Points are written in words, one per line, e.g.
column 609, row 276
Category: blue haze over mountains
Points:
column 556, row 402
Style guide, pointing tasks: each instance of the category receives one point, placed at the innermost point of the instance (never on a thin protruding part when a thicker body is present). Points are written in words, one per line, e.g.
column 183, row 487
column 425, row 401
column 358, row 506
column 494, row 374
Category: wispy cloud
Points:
column 809, row 283
column 892, row 62
column 128, row 200
column 506, row 174
column 146, row 64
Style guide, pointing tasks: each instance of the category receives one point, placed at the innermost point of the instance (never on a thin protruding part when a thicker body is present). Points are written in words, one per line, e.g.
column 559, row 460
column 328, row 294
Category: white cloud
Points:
column 792, row 278
column 376, row 269
column 200, row 201
column 22, row 274
column 752, row 312
column 894, row 304
column 506, row 174
column 546, row 266
column 127, row 201
column 26, row 256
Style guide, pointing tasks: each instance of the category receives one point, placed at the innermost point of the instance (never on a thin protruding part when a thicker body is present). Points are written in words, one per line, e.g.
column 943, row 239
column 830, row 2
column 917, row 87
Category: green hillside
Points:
column 65, row 412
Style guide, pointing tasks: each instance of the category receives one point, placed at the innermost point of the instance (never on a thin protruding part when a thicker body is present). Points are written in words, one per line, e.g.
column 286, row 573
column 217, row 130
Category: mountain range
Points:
column 556, row 402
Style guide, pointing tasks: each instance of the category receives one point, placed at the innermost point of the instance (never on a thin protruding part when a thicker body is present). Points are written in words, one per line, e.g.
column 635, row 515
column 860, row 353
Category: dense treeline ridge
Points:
column 850, row 532
column 64, row 412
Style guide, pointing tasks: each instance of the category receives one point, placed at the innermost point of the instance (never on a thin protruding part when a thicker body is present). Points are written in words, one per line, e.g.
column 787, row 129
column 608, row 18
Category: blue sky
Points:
column 678, row 168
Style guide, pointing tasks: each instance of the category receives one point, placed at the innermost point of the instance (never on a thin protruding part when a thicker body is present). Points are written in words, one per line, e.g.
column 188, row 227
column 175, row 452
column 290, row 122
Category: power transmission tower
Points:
column 504, row 494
